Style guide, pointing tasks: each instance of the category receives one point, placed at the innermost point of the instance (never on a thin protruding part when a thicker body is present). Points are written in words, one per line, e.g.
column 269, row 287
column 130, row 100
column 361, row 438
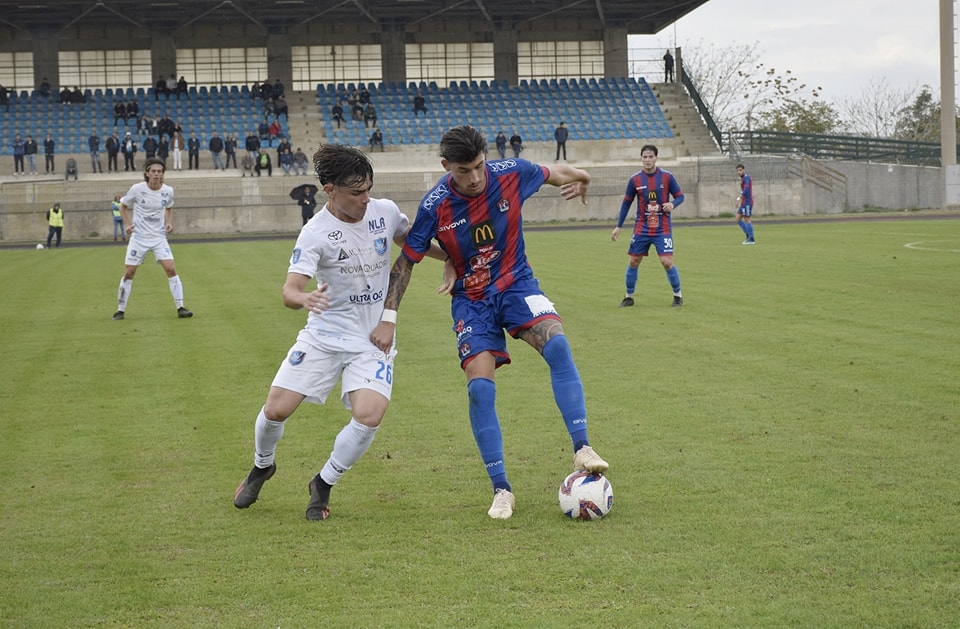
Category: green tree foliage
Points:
column 801, row 116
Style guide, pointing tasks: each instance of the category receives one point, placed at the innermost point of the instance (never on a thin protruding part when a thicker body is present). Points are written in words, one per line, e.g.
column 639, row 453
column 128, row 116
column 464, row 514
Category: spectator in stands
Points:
column 94, row 143
column 182, row 88
column 160, row 88
column 255, row 92
column 45, row 89
column 193, row 152
column 64, row 96
column 247, row 163
column 376, row 138
column 275, row 131
column 216, row 151
column 501, row 142
column 266, row 91
column 516, row 143
column 129, row 149
column 133, row 109
column 300, row 162
column 177, row 144
column 252, row 145
column 150, row 147
column 561, row 134
column 30, row 150
column 280, row 107
column 166, row 127
column 17, row 155
column 230, row 149
column 48, row 148
column 286, row 161
column 419, row 104
column 4, row 98
column 667, row 67
column 370, row 116
column 336, row 112
column 364, row 96
column 263, row 163
column 119, row 112
column 278, row 89
column 284, row 144
column 76, row 96
column 354, row 99
column 113, row 149
column 356, row 111
column 71, row 169
column 263, row 131
column 143, row 125
column 172, row 85
column 163, row 150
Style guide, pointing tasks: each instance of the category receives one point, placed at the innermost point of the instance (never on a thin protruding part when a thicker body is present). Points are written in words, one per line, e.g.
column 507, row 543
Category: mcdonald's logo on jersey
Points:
column 483, row 234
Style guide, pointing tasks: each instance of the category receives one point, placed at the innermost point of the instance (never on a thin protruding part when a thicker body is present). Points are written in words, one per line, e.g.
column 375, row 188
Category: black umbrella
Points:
column 302, row 191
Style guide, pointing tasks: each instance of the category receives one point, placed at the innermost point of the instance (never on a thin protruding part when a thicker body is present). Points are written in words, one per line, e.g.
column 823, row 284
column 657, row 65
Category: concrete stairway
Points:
column 691, row 134
column 305, row 121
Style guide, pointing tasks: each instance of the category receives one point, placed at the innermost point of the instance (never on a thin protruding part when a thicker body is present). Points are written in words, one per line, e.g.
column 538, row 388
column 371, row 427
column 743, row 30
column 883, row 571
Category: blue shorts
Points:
column 479, row 325
column 640, row 244
column 745, row 210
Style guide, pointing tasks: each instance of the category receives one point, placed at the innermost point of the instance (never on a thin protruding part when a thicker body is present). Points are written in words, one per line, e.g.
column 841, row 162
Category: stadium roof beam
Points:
column 101, row 5
column 600, row 11
column 363, row 10
column 227, row 3
column 440, row 12
column 483, row 10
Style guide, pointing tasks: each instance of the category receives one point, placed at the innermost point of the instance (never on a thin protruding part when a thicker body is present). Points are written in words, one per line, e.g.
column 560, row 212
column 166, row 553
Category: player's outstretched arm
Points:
column 573, row 182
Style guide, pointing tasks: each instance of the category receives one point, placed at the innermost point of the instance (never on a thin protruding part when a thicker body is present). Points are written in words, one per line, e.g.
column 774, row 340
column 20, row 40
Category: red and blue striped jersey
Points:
column 651, row 191
column 483, row 235
column 746, row 190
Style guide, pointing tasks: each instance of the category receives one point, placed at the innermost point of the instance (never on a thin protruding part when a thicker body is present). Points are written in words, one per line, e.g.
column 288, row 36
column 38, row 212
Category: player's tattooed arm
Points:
column 399, row 280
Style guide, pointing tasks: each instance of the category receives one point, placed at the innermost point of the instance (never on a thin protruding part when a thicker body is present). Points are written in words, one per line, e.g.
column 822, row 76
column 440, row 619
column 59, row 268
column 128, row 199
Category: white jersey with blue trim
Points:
column 354, row 260
column 149, row 208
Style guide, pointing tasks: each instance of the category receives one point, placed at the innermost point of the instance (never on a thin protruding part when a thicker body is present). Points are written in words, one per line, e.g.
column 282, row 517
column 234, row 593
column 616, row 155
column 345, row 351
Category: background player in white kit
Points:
column 346, row 247
column 151, row 201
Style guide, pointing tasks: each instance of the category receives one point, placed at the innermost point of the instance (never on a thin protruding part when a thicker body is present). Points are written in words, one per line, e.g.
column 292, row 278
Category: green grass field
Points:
column 784, row 448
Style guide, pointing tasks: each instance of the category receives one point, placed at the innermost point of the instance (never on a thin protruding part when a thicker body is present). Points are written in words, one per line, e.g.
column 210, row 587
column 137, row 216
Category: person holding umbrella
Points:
column 305, row 196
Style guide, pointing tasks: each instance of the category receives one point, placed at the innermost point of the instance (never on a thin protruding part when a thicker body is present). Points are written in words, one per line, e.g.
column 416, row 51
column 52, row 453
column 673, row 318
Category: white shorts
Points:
column 313, row 368
column 137, row 251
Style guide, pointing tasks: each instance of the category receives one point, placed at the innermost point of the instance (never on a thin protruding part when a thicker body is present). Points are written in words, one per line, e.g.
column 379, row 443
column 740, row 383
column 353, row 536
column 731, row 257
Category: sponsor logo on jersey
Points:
column 377, row 225
column 296, row 357
column 357, row 269
column 501, row 164
column 483, row 234
column 296, row 256
column 380, row 246
column 367, row 297
column 462, row 330
column 454, row 225
column 335, row 236
column 435, row 195
column 343, row 255
column 483, row 260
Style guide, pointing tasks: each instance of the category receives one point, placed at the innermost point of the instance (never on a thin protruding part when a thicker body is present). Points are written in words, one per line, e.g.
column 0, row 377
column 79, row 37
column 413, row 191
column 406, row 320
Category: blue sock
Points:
column 567, row 388
column 743, row 226
column 750, row 231
column 632, row 274
column 674, row 276
column 482, row 394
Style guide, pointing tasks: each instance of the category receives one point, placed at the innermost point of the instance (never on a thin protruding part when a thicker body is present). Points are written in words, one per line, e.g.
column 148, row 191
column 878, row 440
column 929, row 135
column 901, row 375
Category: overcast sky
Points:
column 840, row 45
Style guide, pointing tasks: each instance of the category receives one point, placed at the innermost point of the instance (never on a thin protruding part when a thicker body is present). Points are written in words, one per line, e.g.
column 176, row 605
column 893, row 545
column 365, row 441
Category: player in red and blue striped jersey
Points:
column 475, row 213
column 657, row 193
column 745, row 209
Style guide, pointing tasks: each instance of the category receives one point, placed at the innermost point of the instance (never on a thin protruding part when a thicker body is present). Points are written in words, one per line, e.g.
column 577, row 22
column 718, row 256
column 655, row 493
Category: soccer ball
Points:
column 586, row 496
column 39, row 246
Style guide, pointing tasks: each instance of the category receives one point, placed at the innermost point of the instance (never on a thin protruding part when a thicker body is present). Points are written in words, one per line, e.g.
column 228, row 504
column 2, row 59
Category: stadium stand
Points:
column 598, row 109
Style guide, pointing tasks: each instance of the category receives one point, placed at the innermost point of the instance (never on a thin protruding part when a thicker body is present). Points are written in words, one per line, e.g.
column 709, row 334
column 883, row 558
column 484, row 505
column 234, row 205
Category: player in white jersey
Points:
column 348, row 336
column 152, row 203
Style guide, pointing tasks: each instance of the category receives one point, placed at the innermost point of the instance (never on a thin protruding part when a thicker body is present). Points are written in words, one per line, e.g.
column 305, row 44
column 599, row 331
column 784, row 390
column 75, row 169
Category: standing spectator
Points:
column 117, row 219
column 667, row 67
column 4, row 99
column 182, row 88
column 17, row 155
column 193, row 152
column 129, row 149
column 30, row 150
column 345, row 339
column 119, row 112
column 278, row 89
column 745, row 203
column 516, row 143
column 286, row 161
column 419, row 104
column 661, row 194
column 94, row 143
column 216, row 151
column 300, row 162
column 176, row 147
column 501, row 141
column 160, row 88
column 474, row 212
column 163, row 150
column 71, row 169
column 172, row 85
column 561, row 134
column 48, row 151
column 376, row 139
column 280, row 108
column 113, row 148
column 55, row 221
column 336, row 112
column 370, row 116
column 263, row 163
column 307, row 203
column 150, row 147
column 230, row 148
column 252, row 145
column 152, row 203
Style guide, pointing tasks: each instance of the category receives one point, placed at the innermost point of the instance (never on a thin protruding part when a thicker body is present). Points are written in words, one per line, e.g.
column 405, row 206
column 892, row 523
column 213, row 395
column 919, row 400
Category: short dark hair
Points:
column 341, row 166
column 740, row 166
column 462, row 144
column 650, row 147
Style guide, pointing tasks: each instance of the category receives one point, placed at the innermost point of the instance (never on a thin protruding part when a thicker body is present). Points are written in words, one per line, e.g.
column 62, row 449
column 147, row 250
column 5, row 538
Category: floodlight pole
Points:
column 950, row 176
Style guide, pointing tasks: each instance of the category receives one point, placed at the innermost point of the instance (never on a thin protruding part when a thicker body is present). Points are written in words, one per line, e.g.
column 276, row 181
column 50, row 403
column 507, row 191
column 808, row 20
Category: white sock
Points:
column 266, row 436
column 176, row 289
column 348, row 447
column 123, row 293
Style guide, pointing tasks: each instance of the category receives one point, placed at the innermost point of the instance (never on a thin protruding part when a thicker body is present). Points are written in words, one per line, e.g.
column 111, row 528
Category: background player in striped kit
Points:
column 745, row 209
column 657, row 193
